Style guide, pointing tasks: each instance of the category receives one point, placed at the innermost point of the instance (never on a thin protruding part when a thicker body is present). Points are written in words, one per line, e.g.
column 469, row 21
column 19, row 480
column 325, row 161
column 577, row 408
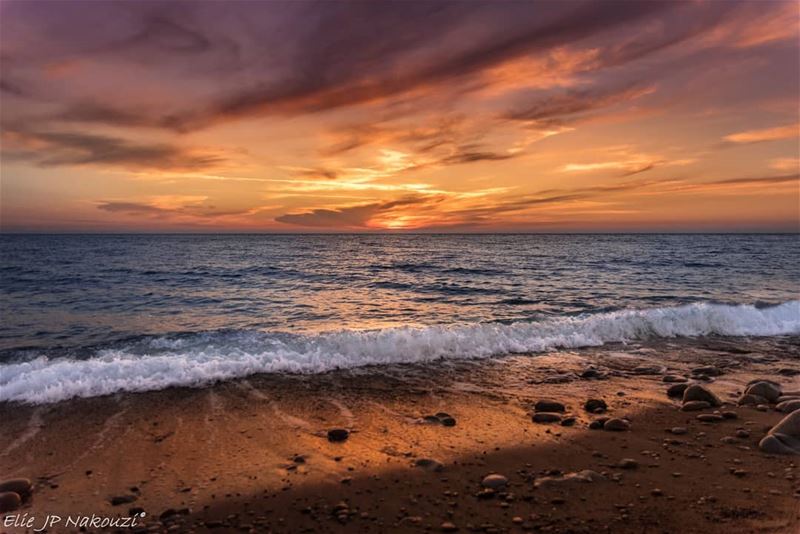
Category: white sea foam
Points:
column 198, row 359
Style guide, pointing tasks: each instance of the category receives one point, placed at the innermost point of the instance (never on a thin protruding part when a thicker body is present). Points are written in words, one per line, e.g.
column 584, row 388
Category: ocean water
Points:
column 87, row 315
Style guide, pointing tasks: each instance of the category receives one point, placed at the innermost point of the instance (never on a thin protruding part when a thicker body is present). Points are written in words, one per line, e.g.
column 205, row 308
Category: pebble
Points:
column 9, row 501
column 628, row 463
column 617, row 425
column 751, row 400
column 546, row 417
column 708, row 370
column 676, row 391
column 548, row 406
column 446, row 419
column 674, row 379
column 568, row 421
column 764, row 388
column 696, row 392
column 730, row 415
column 21, row 486
column 595, row 406
column 122, row 499
column 447, row 526
column 741, row 433
column 710, row 418
column 494, row 482
column 678, row 430
column 429, row 464
column 695, row 406
column 338, row 435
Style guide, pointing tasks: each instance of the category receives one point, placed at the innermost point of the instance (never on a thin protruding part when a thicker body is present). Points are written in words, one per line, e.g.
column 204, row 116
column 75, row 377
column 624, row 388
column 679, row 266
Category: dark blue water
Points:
column 76, row 291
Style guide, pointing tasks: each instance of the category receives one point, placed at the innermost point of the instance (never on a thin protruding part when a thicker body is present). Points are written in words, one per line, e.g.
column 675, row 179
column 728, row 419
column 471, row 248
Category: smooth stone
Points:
column 694, row 406
column 568, row 421
column 9, row 501
column 696, row 392
column 708, row 370
column 677, row 390
column 674, row 379
column 710, row 418
column 648, row 370
column 596, row 425
column 617, row 425
column 764, row 388
column 429, row 464
column 494, row 481
column 122, row 499
column 548, row 406
column 783, row 438
column 627, row 463
column 338, row 435
column 751, row 400
column 591, row 373
column 730, row 415
column 678, row 430
column 448, row 526
column 595, row 406
column 788, row 406
column 21, row 486
column 546, row 417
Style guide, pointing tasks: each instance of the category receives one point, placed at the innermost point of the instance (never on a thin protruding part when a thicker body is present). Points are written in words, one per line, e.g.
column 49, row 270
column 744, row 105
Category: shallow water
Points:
column 93, row 314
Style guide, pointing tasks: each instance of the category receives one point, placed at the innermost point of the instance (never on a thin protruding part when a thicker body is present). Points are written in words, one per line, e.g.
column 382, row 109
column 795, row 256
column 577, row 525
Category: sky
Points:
column 413, row 116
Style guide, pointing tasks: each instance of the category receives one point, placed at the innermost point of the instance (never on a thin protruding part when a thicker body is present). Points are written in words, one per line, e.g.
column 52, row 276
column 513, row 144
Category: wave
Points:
column 158, row 362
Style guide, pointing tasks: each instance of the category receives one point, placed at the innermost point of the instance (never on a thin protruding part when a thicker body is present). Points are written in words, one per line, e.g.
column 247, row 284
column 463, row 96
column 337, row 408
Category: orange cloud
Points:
column 765, row 134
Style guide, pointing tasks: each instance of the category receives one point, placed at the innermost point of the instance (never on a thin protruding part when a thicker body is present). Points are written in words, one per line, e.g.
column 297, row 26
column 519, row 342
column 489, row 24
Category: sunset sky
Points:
column 402, row 116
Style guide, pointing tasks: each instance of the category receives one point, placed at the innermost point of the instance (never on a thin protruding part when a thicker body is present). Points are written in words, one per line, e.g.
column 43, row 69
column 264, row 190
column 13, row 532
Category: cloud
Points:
column 565, row 106
column 49, row 149
column 358, row 216
column 775, row 133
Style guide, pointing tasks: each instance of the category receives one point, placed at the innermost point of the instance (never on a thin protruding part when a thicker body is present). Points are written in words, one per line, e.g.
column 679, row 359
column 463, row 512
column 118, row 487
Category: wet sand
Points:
column 254, row 454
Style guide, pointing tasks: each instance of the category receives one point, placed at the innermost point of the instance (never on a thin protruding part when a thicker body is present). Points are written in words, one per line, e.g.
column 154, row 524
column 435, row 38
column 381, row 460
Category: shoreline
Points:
column 253, row 453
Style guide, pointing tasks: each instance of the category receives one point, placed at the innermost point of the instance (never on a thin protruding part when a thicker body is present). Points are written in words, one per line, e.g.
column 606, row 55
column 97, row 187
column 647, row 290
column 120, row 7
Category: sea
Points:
column 90, row 315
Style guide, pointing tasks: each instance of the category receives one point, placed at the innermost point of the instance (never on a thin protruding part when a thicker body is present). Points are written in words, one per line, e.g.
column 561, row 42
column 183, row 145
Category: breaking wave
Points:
column 158, row 362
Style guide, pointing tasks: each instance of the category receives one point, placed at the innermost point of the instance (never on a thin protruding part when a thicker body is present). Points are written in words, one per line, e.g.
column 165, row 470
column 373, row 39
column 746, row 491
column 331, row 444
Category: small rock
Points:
column 730, row 415
column 678, row 430
column 447, row 526
column 494, row 481
column 764, row 388
column 21, row 486
column 751, row 400
column 729, row 440
column 545, row 417
column 647, row 370
column 595, row 406
column 598, row 424
column 695, row 406
column 122, row 499
column 337, row 435
column 676, row 391
column 548, row 406
column 710, row 418
column 741, row 433
column 674, row 379
column 568, row 421
column 656, row 492
column 617, row 425
column 429, row 464
column 9, row 501
column 708, row 370
column 697, row 392
column 628, row 463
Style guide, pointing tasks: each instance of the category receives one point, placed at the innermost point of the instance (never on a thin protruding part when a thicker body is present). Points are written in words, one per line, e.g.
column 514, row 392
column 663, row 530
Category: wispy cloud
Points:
column 774, row 133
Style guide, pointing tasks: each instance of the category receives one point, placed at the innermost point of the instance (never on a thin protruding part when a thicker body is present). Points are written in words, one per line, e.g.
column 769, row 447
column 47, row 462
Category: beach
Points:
column 255, row 455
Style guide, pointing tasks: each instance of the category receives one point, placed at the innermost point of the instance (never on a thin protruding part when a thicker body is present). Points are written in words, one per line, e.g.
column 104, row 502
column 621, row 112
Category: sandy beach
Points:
column 254, row 455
